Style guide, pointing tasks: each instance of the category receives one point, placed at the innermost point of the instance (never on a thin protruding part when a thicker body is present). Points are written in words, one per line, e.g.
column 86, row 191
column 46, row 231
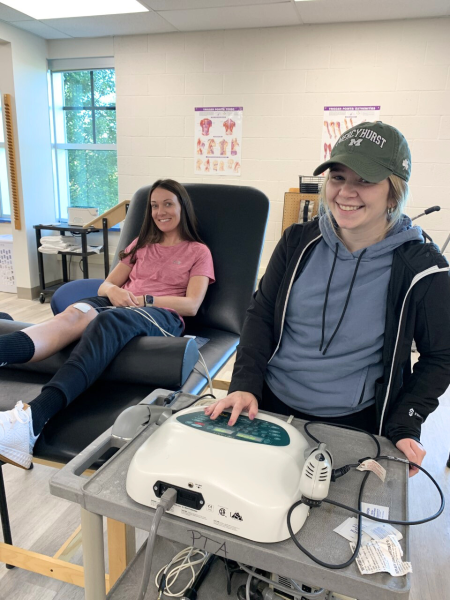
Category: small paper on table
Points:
column 382, row 555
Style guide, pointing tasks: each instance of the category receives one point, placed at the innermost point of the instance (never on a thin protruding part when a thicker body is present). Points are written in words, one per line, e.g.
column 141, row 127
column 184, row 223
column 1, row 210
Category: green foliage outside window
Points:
column 93, row 178
column 90, row 118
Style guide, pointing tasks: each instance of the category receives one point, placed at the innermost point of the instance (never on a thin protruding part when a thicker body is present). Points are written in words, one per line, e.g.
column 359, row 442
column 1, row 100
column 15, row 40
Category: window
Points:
column 5, row 207
column 83, row 115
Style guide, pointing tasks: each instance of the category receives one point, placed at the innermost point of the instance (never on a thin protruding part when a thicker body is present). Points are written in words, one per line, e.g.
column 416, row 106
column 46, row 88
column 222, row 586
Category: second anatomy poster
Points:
column 217, row 141
column 337, row 119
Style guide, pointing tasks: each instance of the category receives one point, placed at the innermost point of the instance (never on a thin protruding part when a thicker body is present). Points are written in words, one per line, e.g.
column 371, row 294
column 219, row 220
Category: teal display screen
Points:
column 257, row 431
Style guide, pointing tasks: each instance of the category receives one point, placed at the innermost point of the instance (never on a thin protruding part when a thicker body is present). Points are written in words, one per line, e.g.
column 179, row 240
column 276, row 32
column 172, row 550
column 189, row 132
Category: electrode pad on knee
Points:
column 82, row 306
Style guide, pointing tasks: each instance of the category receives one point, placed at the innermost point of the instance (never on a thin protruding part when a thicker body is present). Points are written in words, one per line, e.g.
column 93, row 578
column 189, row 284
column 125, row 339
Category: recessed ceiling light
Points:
column 59, row 9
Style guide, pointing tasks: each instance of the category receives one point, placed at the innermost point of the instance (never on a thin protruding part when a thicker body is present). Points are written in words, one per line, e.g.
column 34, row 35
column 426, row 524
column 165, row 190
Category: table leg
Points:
column 64, row 268
column 106, row 247
column 40, row 261
column 85, row 260
column 93, row 555
column 121, row 548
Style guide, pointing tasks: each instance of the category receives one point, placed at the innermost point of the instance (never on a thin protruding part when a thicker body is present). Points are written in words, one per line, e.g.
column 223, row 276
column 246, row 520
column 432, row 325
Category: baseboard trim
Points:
column 32, row 293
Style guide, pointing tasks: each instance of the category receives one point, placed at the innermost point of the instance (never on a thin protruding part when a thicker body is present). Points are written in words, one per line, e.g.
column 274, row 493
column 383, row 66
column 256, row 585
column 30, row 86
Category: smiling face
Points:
column 359, row 207
column 166, row 210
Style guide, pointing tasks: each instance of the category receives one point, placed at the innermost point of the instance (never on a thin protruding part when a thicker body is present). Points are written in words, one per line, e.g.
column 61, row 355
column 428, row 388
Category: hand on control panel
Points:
column 238, row 401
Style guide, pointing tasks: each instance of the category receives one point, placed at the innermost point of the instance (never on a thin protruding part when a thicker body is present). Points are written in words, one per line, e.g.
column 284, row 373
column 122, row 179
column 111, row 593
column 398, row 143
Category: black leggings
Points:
column 103, row 339
column 364, row 419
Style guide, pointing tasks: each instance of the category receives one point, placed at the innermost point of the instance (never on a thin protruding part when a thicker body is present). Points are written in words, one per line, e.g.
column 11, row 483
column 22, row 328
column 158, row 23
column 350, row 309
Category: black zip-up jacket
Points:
column 418, row 308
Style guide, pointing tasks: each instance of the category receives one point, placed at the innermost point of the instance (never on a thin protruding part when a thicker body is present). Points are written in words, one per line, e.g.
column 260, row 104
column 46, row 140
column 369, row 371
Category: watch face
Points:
column 148, row 300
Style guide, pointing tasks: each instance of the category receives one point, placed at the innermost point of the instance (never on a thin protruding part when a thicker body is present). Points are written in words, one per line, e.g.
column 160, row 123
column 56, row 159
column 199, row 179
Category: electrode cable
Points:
column 358, row 511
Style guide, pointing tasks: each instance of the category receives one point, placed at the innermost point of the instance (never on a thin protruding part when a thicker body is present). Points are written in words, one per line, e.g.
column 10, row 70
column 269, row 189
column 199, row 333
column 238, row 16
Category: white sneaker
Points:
column 16, row 436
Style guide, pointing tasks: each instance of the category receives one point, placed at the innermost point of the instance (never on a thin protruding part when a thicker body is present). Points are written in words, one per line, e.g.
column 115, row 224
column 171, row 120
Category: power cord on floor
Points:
column 358, row 511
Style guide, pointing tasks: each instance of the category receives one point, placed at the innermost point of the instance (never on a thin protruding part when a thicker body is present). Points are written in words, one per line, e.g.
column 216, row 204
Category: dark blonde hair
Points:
column 150, row 234
column 397, row 199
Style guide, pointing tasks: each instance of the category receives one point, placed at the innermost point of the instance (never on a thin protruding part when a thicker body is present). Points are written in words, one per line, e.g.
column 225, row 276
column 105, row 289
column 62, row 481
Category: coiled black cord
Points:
column 358, row 511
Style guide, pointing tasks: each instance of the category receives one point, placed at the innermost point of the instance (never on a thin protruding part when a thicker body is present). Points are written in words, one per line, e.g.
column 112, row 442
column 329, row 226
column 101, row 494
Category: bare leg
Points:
column 59, row 332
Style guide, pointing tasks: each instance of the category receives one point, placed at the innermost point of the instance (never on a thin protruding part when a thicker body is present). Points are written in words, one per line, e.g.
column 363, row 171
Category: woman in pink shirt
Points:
column 162, row 276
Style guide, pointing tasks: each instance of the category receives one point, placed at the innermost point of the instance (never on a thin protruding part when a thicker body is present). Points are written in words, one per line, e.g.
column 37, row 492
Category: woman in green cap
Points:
column 328, row 334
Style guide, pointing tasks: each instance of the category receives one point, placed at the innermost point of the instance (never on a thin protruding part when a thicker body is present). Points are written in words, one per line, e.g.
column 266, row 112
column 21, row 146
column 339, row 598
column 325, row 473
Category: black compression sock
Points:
column 49, row 402
column 15, row 347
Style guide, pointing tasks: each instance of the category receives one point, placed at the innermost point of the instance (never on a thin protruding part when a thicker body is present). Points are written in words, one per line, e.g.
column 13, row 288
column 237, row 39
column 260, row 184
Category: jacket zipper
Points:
column 289, row 292
column 416, row 279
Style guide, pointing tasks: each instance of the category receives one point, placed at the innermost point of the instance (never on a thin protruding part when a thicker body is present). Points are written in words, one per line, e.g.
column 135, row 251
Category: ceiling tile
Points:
column 129, row 24
column 237, row 17
column 41, row 29
column 208, row 15
column 161, row 5
column 9, row 14
column 330, row 11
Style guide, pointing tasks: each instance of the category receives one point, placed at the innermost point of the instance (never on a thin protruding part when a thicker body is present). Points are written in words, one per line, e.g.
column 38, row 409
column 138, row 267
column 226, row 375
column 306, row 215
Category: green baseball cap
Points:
column 373, row 150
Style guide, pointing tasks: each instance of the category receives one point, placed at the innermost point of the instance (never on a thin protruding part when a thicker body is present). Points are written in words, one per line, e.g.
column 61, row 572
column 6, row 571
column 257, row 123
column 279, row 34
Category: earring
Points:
column 390, row 210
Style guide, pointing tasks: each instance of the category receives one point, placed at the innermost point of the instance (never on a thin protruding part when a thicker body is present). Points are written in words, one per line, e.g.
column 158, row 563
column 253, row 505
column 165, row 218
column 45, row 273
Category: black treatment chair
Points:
column 232, row 222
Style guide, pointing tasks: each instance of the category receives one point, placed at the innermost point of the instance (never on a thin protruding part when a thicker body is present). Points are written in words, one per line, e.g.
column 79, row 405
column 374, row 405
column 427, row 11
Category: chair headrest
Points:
column 232, row 222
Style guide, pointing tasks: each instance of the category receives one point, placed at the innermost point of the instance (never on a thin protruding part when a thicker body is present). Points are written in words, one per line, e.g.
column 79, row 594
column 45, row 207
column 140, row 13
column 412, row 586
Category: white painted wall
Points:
column 27, row 76
column 283, row 77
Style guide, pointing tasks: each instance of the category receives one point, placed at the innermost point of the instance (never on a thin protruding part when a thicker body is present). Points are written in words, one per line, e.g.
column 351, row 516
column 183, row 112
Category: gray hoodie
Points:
column 330, row 353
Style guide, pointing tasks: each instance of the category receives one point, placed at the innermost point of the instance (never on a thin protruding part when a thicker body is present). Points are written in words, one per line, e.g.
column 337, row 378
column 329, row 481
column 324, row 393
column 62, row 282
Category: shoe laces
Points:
column 15, row 414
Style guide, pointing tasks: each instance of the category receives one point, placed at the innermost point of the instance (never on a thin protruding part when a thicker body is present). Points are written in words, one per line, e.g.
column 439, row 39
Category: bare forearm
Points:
column 105, row 287
column 185, row 306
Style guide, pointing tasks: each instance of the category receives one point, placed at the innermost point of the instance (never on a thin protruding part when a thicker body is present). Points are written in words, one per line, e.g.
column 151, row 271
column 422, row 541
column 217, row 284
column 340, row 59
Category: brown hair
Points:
column 150, row 234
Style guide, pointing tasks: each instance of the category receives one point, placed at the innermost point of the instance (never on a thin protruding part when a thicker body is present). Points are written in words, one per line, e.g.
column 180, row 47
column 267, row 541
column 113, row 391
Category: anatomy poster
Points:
column 217, row 141
column 337, row 119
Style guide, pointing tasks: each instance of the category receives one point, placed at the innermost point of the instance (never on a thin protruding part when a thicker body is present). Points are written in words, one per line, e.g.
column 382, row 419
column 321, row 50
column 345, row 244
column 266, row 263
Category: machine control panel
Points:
column 257, row 431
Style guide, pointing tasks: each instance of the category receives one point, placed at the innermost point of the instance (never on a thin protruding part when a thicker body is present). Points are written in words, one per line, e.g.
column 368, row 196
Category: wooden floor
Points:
column 41, row 522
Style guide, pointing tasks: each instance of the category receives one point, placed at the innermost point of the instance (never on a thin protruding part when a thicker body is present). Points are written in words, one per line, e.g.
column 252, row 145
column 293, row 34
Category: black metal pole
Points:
column 40, row 259
column 105, row 246
column 84, row 255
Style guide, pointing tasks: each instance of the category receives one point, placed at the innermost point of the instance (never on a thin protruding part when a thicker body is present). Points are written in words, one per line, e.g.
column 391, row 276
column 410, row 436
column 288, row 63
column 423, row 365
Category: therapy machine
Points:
column 241, row 479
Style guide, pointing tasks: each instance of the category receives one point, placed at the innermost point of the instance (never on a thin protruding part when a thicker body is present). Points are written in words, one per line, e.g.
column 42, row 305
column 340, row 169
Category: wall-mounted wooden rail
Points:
column 10, row 143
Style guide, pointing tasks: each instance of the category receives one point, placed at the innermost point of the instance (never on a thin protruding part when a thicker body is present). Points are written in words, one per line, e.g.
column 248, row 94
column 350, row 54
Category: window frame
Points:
column 62, row 66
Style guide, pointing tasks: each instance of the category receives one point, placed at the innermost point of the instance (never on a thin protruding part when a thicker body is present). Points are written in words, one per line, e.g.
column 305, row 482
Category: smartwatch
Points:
column 148, row 300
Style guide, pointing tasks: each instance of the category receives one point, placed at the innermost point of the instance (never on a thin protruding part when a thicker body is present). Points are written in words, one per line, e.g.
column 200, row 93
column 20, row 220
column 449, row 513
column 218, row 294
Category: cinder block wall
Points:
column 283, row 77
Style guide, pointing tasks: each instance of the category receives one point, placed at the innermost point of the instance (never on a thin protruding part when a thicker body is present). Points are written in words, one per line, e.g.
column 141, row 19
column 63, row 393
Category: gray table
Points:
column 104, row 494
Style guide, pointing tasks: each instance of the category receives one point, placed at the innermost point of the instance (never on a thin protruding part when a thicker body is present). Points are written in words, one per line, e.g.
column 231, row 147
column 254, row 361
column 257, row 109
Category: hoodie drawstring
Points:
column 346, row 301
column 326, row 297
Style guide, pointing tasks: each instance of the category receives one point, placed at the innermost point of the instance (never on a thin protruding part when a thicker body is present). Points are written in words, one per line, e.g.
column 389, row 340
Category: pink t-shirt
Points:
column 166, row 270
